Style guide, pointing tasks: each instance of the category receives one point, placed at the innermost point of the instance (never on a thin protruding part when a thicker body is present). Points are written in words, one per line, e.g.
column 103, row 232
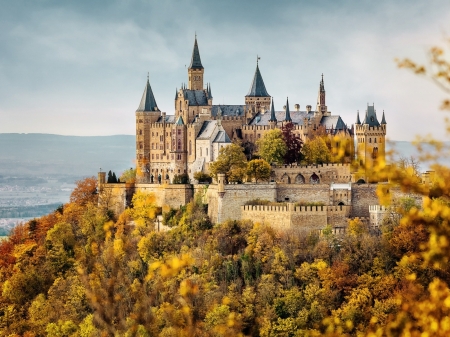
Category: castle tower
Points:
column 195, row 70
column 321, row 107
column 288, row 118
column 257, row 96
column 146, row 113
column 179, row 139
column 370, row 139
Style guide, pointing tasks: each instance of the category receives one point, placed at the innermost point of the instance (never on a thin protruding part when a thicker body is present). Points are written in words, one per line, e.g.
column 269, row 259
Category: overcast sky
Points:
column 80, row 67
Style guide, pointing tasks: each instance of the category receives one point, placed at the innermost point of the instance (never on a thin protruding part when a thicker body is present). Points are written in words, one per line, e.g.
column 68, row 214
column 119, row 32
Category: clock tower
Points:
column 195, row 71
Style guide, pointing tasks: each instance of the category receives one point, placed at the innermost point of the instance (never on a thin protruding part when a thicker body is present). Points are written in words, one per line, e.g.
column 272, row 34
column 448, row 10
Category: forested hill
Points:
column 46, row 154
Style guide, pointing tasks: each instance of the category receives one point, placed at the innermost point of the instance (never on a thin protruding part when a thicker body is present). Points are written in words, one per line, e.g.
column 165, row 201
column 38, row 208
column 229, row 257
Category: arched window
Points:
column 370, row 140
column 375, row 153
column 179, row 145
column 374, row 140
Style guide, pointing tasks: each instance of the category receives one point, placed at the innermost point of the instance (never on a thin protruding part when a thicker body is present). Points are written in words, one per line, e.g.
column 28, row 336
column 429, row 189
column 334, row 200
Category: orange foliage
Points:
column 85, row 192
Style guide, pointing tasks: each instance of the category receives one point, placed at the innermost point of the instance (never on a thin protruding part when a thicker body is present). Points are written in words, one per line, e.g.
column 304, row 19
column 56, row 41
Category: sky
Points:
column 80, row 67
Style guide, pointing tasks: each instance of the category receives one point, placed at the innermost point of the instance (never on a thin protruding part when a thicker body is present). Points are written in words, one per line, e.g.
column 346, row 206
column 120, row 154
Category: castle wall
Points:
column 298, row 218
column 235, row 196
column 300, row 192
column 327, row 173
column 174, row 195
column 362, row 197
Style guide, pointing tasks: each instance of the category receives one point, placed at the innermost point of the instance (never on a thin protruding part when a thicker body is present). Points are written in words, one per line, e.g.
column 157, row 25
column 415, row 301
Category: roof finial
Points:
column 257, row 59
column 148, row 75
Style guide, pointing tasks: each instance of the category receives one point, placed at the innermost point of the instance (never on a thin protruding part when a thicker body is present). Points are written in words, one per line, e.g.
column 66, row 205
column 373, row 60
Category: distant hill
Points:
column 35, row 154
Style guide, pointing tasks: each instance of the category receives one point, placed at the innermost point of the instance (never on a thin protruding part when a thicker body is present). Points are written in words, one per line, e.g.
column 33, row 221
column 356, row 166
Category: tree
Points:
column 231, row 162
column 271, row 147
column 202, row 177
column 128, row 176
column 293, row 144
column 315, row 151
column 85, row 191
column 258, row 169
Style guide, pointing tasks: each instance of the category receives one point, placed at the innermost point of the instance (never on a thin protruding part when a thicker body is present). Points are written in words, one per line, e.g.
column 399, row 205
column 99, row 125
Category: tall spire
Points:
column 257, row 89
column 209, row 91
column 272, row 114
column 288, row 113
column 322, row 86
column 357, row 118
column 148, row 102
column 176, row 93
column 383, row 120
column 196, row 62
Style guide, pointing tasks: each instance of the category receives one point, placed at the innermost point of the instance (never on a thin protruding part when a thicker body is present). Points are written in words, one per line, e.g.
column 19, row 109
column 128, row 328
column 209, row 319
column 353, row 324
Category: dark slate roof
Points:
column 273, row 118
column 333, row 122
column 179, row 121
column 222, row 137
column 288, row 113
column 371, row 116
column 358, row 121
column 257, row 89
column 169, row 119
column 206, row 129
column 383, row 120
column 196, row 62
column 228, row 110
column 196, row 97
column 148, row 102
column 296, row 117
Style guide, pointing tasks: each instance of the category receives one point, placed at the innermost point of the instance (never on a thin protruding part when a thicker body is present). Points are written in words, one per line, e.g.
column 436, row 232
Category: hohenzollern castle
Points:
column 188, row 140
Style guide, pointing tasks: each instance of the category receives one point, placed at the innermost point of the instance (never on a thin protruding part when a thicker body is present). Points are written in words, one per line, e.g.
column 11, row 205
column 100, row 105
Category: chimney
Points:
column 297, row 107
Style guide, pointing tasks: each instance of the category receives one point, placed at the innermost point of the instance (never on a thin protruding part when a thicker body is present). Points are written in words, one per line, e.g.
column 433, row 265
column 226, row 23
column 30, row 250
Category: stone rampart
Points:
column 312, row 174
column 307, row 193
column 306, row 218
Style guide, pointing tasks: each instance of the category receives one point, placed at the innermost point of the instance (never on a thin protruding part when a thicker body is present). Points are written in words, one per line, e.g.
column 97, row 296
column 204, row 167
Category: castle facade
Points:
column 191, row 138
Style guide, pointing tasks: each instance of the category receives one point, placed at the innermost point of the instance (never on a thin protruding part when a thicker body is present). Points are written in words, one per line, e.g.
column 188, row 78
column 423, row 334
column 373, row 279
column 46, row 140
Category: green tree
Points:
column 128, row 176
column 315, row 151
column 231, row 162
column 271, row 147
column 258, row 169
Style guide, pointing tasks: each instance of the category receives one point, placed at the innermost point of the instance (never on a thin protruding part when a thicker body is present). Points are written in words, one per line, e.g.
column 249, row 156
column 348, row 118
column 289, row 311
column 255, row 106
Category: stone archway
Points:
column 341, row 203
column 299, row 179
column 285, row 179
column 314, row 179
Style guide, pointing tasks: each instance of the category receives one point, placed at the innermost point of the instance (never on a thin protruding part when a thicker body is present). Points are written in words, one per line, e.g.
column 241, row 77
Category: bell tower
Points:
column 195, row 70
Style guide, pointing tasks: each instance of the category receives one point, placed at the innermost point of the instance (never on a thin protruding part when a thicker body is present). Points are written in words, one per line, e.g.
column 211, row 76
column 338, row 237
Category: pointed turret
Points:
column 257, row 89
column 357, row 118
column 322, row 85
column 288, row 113
column 272, row 114
column 196, row 62
column 321, row 106
column 179, row 121
column 176, row 93
column 209, row 91
column 148, row 102
column 383, row 120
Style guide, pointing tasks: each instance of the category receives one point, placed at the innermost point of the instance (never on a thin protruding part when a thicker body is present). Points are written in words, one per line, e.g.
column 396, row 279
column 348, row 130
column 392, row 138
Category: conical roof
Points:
column 196, row 62
column 288, row 113
column 383, row 120
column 148, row 102
column 357, row 118
column 257, row 89
column 272, row 114
column 179, row 121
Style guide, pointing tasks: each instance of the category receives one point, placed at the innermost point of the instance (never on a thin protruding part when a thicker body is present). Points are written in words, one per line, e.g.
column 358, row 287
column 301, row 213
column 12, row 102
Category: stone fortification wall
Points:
column 229, row 205
column 326, row 173
column 304, row 218
column 174, row 196
column 362, row 197
column 307, row 193
column 117, row 197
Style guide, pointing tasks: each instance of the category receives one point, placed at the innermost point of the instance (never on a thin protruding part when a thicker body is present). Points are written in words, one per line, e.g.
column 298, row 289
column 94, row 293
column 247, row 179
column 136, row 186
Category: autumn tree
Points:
column 128, row 176
column 271, row 147
column 85, row 192
column 231, row 162
column 293, row 143
column 315, row 151
column 258, row 169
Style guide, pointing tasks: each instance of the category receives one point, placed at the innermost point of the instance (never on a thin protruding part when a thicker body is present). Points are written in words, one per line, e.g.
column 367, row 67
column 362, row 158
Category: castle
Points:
column 190, row 139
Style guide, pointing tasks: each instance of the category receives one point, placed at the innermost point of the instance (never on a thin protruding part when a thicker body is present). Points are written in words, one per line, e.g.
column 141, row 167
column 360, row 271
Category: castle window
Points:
column 157, row 156
column 374, row 140
column 172, row 157
column 157, row 134
column 153, row 156
column 370, row 140
column 140, row 132
column 153, row 134
column 179, row 131
column 179, row 145
column 179, row 158
column 190, row 147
